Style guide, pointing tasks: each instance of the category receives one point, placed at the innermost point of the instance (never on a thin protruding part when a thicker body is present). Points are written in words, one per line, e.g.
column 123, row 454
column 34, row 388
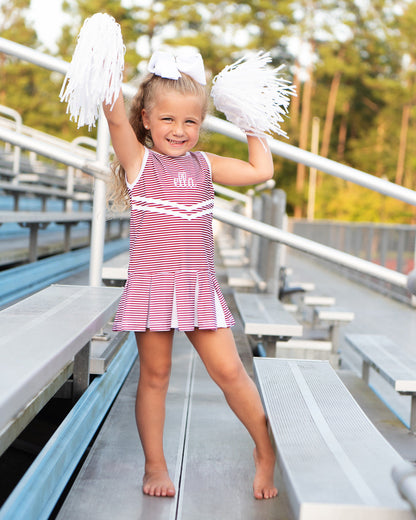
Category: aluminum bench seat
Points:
column 39, row 220
column 114, row 270
column 335, row 463
column 233, row 257
column 37, row 493
column 45, row 338
column 42, row 191
column 336, row 317
column 244, row 277
column 395, row 366
column 307, row 348
column 318, row 300
column 334, row 314
column 264, row 315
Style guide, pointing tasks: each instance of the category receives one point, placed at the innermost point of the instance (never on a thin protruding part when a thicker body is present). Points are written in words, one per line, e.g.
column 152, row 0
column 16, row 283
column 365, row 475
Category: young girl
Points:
column 171, row 280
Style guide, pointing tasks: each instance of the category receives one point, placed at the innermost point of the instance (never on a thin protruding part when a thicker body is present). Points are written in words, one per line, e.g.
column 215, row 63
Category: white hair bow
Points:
column 168, row 66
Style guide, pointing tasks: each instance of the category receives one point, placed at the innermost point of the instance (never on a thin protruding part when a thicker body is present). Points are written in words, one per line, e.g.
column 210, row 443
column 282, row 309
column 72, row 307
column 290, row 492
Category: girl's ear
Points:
column 145, row 119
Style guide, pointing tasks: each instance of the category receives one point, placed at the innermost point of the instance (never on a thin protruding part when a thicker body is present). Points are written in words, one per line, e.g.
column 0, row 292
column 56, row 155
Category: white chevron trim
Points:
column 168, row 203
column 172, row 212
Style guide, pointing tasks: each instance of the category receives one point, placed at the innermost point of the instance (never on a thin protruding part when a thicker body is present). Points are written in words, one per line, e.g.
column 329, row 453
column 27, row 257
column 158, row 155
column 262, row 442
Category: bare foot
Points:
column 158, row 484
column 263, row 485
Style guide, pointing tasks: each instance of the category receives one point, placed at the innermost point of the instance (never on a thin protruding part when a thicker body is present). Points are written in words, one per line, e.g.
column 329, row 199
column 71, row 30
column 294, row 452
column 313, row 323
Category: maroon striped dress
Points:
column 171, row 280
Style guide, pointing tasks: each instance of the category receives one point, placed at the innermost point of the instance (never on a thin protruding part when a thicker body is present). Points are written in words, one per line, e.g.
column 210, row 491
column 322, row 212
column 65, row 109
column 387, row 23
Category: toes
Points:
column 170, row 492
column 258, row 495
column 265, row 494
column 158, row 486
column 154, row 492
column 148, row 490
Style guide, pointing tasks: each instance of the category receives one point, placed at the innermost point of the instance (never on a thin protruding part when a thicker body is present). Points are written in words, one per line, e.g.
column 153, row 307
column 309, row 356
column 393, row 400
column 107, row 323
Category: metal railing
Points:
column 311, row 247
column 322, row 164
column 390, row 245
column 99, row 169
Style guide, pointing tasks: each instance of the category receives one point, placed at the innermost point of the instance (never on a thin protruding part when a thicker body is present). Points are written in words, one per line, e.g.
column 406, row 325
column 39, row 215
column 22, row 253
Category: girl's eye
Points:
column 191, row 122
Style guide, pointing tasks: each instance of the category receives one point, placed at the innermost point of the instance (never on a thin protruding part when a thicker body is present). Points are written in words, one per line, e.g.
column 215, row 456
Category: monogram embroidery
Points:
column 183, row 181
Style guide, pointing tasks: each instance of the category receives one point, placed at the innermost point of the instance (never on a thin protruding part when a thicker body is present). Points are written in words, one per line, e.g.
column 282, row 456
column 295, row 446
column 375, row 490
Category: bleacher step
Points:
column 209, row 455
column 109, row 484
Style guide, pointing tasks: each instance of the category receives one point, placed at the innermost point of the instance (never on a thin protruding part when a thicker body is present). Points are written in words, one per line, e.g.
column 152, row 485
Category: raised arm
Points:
column 128, row 149
column 235, row 172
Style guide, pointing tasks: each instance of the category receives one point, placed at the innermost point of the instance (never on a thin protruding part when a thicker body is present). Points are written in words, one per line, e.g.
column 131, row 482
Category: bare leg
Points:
column 219, row 354
column 155, row 352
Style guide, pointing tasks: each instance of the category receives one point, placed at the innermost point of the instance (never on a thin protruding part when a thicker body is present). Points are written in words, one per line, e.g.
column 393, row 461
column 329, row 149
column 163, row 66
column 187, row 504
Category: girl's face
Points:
column 174, row 122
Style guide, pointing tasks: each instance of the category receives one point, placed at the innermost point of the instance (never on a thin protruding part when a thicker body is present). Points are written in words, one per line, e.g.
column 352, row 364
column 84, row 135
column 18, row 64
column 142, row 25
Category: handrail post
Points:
column 99, row 204
column 412, row 277
column 249, row 204
column 70, row 181
column 13, row 114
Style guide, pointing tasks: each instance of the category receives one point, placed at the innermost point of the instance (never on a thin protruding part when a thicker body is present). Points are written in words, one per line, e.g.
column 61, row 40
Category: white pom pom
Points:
column 252, row 95
column 95, row 73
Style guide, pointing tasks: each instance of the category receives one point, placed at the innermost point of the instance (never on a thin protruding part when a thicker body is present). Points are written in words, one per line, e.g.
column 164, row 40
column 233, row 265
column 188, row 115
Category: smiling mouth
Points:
column 175, row 142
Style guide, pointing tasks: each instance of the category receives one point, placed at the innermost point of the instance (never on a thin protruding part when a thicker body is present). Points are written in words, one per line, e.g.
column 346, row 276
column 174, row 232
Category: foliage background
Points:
column 353, row 62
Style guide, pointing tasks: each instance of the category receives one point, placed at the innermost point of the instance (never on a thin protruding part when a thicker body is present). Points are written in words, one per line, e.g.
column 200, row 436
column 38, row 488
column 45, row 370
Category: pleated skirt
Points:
column 164, row 300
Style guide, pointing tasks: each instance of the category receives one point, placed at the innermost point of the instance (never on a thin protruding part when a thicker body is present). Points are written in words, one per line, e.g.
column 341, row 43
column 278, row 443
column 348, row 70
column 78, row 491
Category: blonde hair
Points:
column 150, row 88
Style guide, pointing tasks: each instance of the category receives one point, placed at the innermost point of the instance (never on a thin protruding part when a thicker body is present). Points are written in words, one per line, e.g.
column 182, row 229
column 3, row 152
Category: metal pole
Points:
column 321, row 163
column 33, row 56
column 228, row 192
column 413, row 272
column 99, row 205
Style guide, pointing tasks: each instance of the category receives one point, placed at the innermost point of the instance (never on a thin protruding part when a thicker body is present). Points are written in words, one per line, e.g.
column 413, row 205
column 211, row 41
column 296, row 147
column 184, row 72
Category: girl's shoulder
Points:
column 145, row 158
column 202, row 158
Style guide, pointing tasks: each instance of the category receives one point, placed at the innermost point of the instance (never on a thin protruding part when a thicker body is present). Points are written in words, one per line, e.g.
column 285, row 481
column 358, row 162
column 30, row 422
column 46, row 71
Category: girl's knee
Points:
column 229, row 374
column 155, row 376
column 219, row 354
column 155, row 354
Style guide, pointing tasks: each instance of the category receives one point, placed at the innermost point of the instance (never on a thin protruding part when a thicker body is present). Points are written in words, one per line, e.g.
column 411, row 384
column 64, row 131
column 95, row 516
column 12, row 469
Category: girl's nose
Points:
column 178, row 130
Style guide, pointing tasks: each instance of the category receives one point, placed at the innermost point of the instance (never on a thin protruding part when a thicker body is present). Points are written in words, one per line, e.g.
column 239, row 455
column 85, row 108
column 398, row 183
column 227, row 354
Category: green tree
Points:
column 368, row 111
column 24, row 87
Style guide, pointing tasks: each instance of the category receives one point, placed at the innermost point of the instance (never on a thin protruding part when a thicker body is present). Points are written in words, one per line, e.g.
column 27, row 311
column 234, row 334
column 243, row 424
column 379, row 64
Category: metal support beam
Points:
column 99, row 205
column 81, row 372
column 33, row 242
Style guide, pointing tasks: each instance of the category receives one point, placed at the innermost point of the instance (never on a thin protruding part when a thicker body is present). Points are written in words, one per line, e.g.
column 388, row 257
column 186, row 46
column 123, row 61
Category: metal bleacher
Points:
column 210, row 457
column 91, row 464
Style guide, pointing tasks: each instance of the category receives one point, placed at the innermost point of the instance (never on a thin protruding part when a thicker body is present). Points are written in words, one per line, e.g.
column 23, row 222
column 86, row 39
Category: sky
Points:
column 47, row 32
